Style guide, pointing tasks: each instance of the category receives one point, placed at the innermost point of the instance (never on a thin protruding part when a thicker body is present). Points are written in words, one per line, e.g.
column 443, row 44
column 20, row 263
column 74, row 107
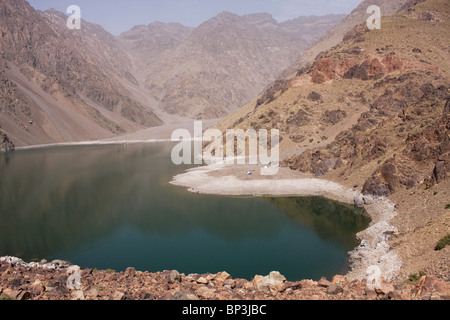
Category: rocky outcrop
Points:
column 325, row 70
column 431, row 287
column 441, row 170
column 49, row 281
column 368, row 68
column 5, row 143
column 333, row 116
column 318, row 162
column 404, row 135
column 357, row 33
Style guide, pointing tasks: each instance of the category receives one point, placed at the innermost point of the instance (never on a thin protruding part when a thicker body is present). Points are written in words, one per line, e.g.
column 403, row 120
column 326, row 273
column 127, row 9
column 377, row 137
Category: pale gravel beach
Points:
column 374, row 250
column 91, row 143
column 151, row 135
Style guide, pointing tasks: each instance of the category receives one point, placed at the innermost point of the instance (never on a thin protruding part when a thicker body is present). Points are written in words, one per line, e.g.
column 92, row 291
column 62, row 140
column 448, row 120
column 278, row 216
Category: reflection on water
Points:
column 330, row 220
column 112, row 207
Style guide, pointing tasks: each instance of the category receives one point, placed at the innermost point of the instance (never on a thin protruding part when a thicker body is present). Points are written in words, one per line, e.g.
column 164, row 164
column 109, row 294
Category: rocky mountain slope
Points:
column 372, row 113
column 335, row 35
column 209, row 71
column 60, row 84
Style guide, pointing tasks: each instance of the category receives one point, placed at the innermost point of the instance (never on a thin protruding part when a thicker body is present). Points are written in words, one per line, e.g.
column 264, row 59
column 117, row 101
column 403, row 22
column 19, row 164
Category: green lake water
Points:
column 112, row 207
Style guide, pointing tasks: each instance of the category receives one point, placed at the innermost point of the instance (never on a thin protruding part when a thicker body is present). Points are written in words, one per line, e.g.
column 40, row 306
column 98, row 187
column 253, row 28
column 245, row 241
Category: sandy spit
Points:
column 91, row 143
column 371, row 260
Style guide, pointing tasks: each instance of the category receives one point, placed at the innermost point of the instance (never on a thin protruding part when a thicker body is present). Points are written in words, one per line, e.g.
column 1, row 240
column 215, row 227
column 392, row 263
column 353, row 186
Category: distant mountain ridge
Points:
column 209, row 71
column 62, row 85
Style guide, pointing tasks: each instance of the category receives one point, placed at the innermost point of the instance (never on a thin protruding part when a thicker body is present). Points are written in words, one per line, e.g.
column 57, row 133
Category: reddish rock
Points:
column 334, row 289
column 184, row 296
column 91, row 293
column 223, row 296
column 11, row 293
column 130, row 272
column 206, row 293
column 202, row 280
column 230, row 283
column 428, row 287
column 273, row 282
column 293, row 285
column 325, row 70
column 324, row 283
column 356, row 33
column 78, row 295
column 37, row 288
column 392, row 63
column 384, row 288
column 442, row 168
column 174, row 277
column 154, row 286
column 117, row 295
column 222, row 276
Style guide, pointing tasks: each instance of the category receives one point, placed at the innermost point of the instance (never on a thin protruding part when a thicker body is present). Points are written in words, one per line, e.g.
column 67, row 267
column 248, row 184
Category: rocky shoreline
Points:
column 374, row 250
column 374, row 259
column 51, row 281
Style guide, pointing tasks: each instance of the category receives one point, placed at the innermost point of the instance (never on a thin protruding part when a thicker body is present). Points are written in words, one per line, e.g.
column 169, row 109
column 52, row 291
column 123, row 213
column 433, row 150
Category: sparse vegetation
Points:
column 110, row 271
column 4, row 296
column 279, row 86
column 311, row 140
column 443, row 243
column 447, row 206
column 413, row 278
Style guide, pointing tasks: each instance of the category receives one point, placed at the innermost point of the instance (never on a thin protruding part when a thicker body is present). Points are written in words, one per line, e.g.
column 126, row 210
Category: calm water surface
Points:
column 112, row 207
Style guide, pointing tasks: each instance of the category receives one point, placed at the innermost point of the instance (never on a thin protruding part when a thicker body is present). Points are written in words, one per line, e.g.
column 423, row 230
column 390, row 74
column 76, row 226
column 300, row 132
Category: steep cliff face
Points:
column 75, row 74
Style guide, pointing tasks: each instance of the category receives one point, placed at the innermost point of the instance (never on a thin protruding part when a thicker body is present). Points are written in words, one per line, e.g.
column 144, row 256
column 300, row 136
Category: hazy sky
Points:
column 118, row 16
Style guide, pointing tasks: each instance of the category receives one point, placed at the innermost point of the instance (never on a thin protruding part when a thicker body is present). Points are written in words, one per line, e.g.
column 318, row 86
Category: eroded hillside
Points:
column 372, row 113
column 61, row 85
